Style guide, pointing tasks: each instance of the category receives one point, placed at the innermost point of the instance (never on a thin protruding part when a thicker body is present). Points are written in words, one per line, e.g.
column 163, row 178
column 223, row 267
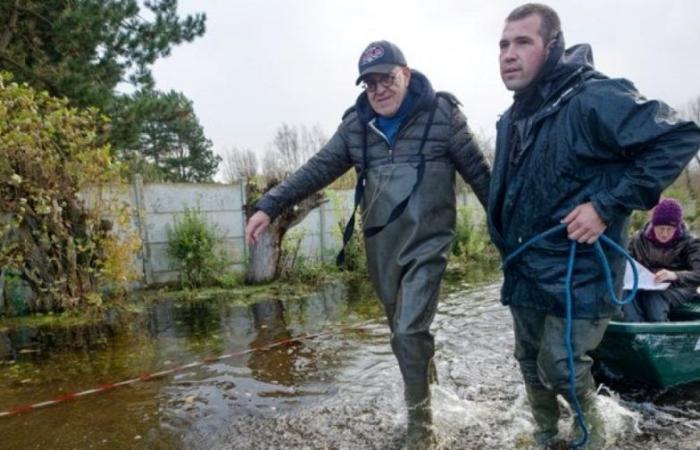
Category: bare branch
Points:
column 240, row 164
column 10, row 29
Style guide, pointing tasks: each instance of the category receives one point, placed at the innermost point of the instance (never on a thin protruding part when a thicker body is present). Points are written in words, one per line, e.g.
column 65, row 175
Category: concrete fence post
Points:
column 322, row 226
column 141, row 216
column 242, row 183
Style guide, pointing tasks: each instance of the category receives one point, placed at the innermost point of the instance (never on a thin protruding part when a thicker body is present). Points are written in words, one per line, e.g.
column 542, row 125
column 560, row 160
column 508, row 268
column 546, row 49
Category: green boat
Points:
column 658, row 354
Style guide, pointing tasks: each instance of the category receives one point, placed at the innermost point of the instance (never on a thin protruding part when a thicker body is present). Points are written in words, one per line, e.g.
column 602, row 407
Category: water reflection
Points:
column 276, row 365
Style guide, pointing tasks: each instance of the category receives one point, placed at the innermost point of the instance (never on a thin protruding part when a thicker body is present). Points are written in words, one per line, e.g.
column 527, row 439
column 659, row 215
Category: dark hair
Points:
column 551, row 25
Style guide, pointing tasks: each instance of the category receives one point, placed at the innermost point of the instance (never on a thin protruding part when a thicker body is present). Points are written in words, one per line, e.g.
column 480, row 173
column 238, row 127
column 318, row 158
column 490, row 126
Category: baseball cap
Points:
column 379, row 57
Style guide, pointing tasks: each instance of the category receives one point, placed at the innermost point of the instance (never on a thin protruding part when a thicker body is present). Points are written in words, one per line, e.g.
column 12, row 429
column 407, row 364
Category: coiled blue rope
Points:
column 569, row 305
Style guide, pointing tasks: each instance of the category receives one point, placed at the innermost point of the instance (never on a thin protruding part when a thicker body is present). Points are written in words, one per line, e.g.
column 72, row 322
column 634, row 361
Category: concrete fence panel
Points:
column 156, row 207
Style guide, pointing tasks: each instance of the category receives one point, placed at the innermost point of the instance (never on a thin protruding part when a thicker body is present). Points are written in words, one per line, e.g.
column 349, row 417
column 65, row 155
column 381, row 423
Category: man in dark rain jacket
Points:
column 405, row 141
column 580, row 148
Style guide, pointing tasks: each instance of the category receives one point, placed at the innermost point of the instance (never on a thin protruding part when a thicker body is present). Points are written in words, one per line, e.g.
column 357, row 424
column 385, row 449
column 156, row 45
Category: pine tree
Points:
column 85, row 49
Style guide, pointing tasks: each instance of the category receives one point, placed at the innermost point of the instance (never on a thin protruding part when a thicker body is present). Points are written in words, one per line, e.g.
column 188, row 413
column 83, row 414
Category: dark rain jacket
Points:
column 681, row 257
column 594, row 139
column 422, row 234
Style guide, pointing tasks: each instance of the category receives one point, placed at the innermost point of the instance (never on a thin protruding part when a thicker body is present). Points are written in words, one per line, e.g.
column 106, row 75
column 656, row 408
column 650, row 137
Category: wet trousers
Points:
column 409, row 313
column 410, row 306
column 541, row 352
column 656, row 306
column 411, row 340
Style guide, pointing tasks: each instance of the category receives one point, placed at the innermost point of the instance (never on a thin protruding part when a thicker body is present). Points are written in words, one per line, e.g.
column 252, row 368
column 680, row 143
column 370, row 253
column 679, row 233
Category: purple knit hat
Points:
column 667, row 212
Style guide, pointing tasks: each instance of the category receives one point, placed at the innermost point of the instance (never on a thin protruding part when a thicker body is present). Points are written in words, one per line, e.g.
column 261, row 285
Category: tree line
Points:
column 84, row 50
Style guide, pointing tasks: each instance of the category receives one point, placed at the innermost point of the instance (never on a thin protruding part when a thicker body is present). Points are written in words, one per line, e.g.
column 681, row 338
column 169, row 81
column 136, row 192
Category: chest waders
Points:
column 569, row 302
column 362, row 183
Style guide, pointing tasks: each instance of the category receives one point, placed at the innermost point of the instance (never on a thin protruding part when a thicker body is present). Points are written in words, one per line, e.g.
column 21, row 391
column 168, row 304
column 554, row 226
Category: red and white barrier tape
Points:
column 20, row 409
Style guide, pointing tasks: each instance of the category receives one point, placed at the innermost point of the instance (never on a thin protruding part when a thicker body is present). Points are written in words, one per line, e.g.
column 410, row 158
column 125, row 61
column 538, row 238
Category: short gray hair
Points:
column 551, row 25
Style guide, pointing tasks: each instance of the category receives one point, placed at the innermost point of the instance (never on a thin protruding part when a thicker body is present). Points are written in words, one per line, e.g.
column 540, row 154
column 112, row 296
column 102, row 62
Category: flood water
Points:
column 341, row 390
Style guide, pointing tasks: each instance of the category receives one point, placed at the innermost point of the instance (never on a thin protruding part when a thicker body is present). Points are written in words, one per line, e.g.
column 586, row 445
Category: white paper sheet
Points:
column 646, row 279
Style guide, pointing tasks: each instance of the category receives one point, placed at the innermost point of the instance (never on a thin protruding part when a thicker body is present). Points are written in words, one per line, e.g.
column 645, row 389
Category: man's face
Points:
column 523, row 52
column 385, row 92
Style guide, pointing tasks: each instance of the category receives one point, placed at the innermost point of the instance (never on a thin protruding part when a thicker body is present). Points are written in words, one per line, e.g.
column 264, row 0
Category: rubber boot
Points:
column 593, row 420
column 419, row 429
column 545, row 411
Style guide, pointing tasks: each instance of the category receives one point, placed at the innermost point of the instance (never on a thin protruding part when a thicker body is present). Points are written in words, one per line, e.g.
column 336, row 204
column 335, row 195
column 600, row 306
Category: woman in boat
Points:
column 667, row 248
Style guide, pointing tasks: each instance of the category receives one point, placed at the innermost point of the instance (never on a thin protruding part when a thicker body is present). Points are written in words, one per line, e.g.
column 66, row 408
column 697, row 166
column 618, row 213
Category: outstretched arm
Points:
column 329, row 163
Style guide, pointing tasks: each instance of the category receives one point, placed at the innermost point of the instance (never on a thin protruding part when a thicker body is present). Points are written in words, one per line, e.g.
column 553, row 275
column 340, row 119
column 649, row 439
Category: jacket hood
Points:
column 419, row 89
column 558, row 69
column 575, row 60
column 579, row 56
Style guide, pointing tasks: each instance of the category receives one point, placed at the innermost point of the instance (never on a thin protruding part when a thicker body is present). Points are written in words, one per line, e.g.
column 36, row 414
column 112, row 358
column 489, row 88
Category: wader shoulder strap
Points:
column 399, row 209
column 359, row 193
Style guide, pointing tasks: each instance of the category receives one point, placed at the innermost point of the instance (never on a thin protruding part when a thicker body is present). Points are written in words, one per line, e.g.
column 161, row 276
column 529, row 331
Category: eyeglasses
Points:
column 386, row 80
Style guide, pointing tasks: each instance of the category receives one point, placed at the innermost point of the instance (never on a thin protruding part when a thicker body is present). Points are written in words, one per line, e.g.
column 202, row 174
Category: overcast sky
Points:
column 262, row 63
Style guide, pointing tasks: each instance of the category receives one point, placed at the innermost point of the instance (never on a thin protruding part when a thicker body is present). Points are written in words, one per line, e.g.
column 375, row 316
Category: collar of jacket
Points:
column 564, row 91
column 524, row 126
column 420, row 90
column 555, row 80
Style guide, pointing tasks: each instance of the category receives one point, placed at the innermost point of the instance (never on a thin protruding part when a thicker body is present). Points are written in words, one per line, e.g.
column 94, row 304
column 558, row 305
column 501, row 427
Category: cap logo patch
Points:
column 371, row 54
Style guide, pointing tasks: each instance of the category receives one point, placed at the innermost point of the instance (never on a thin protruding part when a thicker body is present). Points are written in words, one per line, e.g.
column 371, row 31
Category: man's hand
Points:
column 665, row 275
column 584, row 224
column 257, row 223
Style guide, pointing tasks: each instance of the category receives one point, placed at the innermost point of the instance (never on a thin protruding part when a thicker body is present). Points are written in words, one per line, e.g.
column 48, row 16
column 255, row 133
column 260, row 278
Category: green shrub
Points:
column 295, row 267
column 637, row 221
column 310, row 272
column 230, row 279
column 192, row 246
column 472, row 240
column 355, row 254
column 49, row 153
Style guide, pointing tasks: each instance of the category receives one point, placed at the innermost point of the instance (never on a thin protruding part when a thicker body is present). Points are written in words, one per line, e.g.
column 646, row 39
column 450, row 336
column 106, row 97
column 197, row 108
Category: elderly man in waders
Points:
column 406, row 143
column 578, row 148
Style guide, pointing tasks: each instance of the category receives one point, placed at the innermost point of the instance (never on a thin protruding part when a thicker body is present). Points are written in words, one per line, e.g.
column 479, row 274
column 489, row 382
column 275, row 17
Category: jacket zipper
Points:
column 383, row 136
column 398, row 133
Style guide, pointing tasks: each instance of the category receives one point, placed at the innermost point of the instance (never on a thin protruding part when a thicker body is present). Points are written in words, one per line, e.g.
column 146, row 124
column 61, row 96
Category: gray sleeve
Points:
column 323, row 168
column 468, row 157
